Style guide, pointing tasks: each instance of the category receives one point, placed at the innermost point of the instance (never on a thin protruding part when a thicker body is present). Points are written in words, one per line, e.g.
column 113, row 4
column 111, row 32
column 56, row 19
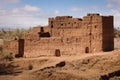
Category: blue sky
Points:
column 29, row 13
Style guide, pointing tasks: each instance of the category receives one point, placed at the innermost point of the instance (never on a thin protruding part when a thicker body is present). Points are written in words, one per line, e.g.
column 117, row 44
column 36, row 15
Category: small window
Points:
column 74, row 22
column 57, row 52
column 51, row 26
column 95, row 26
column 90, row 33
column 67, row 39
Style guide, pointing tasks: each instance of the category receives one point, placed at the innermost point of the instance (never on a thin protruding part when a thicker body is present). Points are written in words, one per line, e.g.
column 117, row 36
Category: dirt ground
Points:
column 97, row 66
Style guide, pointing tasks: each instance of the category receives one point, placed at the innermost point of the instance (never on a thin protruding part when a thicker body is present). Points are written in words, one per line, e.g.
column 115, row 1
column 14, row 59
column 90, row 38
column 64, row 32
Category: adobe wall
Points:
column 16, row 47
column 47, row 46
column 93, row 33
column 38, row 29
column 11, row 46
column 92, row 25
column 71, row 36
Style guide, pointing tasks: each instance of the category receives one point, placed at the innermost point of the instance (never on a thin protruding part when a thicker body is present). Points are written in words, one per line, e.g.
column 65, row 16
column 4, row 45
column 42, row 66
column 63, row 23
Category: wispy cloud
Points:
column 30, row 8
column 117, row 1
column 116, row 14
column 109, row 5
column 57, row 11
column 114, row 6
column 9, row 1
column 75, row 9
column 25, row 16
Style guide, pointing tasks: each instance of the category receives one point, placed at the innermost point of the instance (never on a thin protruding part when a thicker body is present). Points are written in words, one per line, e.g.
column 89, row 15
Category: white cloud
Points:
column 57, row 11
column 76, row 9
column 23, row 17
column 16, row 10
column 114, row 6
column 116, row 14
column 2, row 12
column 117, row 1
column 95, row 7
column 109, row 5
column 26, row 8
column 9, row 1
column 31, row 8
column 21, row 21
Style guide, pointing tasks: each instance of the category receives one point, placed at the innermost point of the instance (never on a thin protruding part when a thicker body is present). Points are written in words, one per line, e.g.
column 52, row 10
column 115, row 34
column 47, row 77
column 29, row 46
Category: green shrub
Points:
column 30, row 67
column 11, row 34
column 7, row 56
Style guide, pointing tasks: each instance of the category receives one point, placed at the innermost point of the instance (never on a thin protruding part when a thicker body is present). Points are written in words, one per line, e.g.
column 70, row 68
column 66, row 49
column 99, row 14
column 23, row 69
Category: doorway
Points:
column 86, row 50
column 57, row 52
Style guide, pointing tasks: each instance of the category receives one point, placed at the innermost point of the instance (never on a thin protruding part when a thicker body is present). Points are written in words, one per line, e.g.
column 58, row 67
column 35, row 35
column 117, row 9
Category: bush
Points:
column 11, row 34
column 30, row 67
column 8, row 56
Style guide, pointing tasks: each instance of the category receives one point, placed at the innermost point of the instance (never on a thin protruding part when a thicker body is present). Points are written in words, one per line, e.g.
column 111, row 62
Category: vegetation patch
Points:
column 8, row 56
column 30, row 66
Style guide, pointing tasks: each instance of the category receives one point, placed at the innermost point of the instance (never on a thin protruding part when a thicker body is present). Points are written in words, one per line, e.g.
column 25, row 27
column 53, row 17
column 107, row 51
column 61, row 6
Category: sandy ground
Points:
column 1, row 42
column 85, row 67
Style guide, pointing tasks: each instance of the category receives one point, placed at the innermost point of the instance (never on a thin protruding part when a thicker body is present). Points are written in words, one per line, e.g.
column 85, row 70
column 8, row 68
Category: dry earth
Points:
column 97, row 66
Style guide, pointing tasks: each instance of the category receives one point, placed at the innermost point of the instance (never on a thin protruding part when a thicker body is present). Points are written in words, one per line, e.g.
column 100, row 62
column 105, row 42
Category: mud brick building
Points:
column 92, row 33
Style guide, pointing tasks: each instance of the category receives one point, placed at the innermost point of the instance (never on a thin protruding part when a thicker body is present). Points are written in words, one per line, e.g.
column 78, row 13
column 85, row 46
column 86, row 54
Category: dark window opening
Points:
column 61, row 24
column 95, row 26
column 67, row 39
column 52, row 26
column 42, row 29
column 44, row 34
column 90, row 33
column 57, row 52
column 86, row 50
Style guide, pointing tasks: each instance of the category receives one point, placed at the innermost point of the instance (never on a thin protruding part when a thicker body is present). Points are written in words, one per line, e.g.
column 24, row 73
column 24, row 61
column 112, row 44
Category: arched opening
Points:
column 86, row 50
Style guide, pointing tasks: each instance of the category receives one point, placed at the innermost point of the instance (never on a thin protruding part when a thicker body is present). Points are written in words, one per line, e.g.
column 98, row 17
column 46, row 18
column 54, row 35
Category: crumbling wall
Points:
column 59, row 24
column 36, row 29
column 32, row 36
column 71, row 36
column 11, row 46
column 15, row 47
column 47, row 46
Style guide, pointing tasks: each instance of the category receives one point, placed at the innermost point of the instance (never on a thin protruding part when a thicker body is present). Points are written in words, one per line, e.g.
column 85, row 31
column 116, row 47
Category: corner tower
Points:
column 98, row 34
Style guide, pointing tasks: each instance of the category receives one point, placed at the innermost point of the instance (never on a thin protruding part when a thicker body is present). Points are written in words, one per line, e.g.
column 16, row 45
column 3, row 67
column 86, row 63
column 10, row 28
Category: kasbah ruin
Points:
column 66, row 35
